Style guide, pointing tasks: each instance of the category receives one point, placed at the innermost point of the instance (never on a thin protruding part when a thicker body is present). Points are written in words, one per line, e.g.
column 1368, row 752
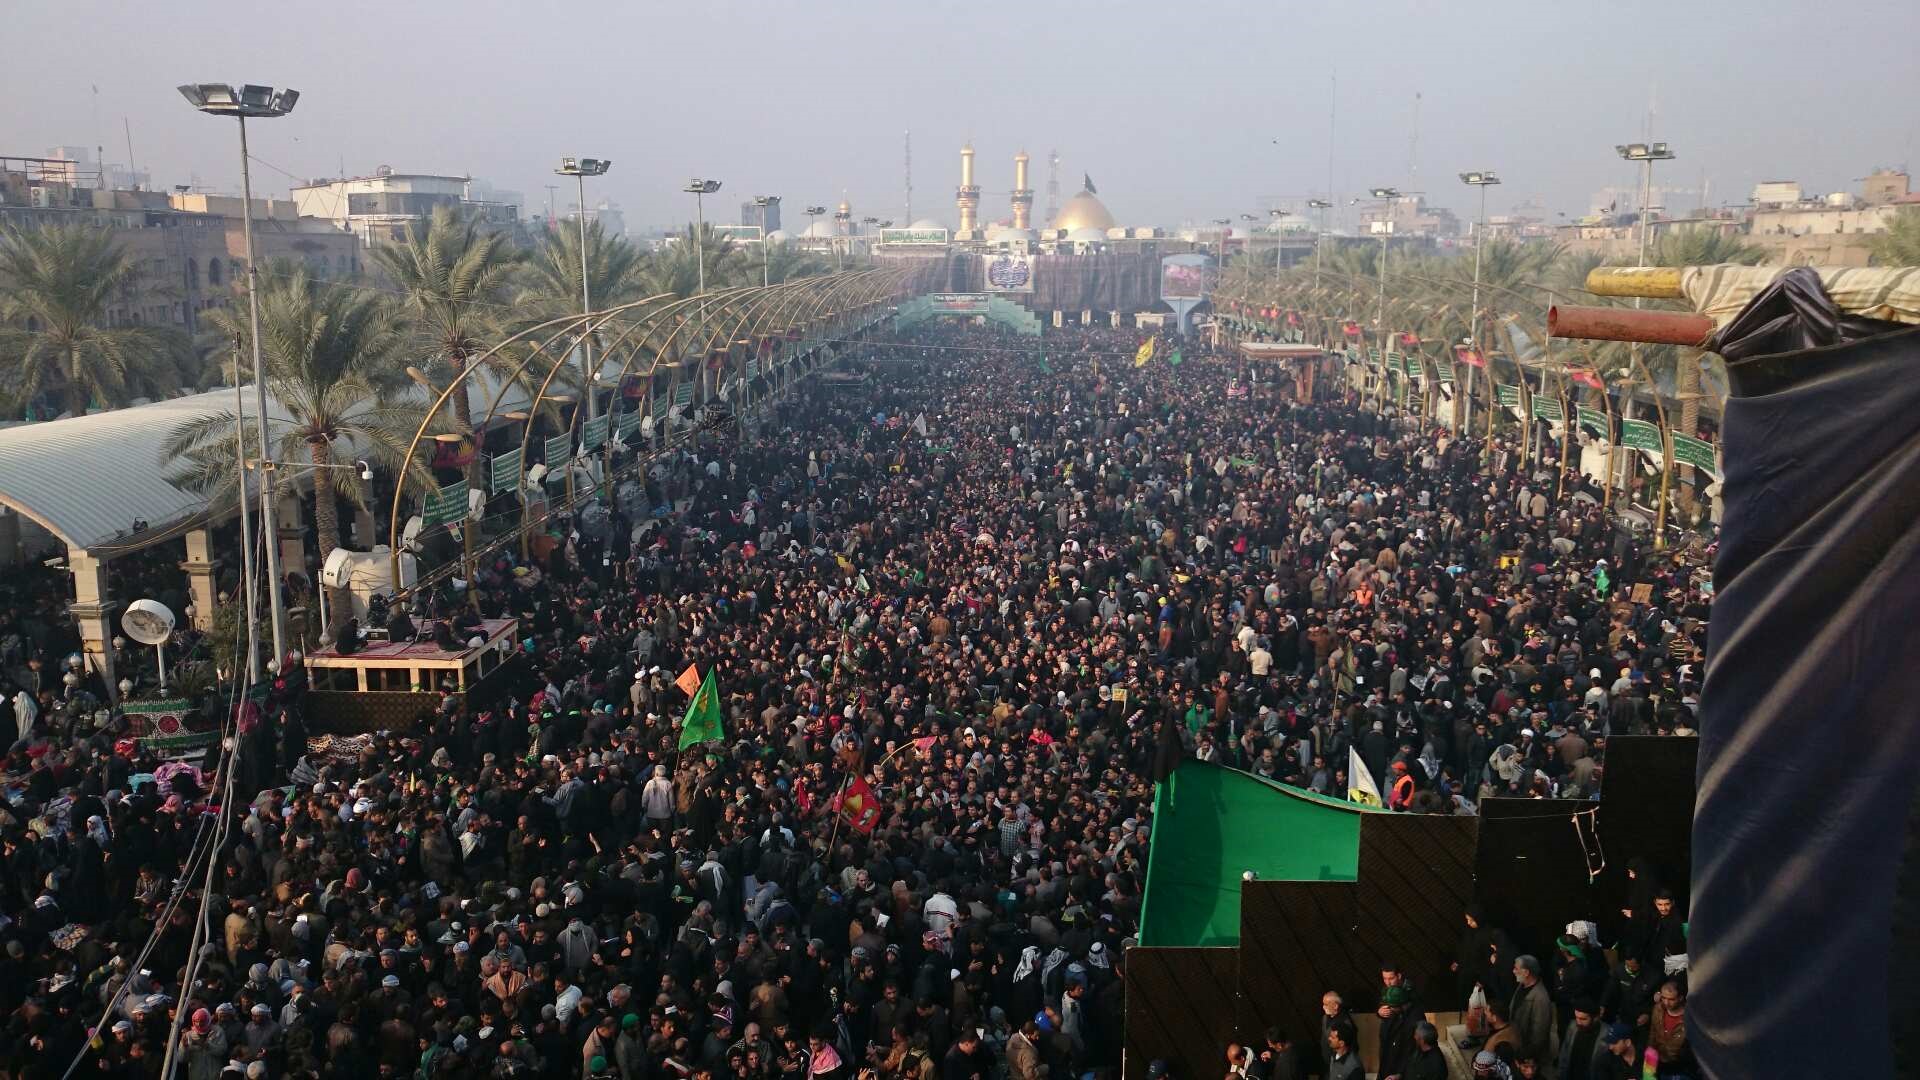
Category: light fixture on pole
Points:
column 1646, row 154
column 813, row 219
column 700, row 189
column 1483, row 181
column 1319, row 242
column 580, row 169
column 766, row 237
column 260, row 103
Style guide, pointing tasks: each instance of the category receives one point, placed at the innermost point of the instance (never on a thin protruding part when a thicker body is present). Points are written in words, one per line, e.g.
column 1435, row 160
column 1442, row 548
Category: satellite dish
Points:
column 410, row 536
column 148, row 622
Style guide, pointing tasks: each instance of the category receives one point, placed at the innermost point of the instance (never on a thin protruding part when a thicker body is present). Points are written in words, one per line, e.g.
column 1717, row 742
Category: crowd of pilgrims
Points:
column 983, row 584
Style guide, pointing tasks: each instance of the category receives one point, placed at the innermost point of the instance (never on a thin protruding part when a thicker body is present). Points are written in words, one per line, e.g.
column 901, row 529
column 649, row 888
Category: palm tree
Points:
column 787, row 261
column 1900, row 244
column 453, row 279
column 549, row 280
column 330, row 356
column 56, row 283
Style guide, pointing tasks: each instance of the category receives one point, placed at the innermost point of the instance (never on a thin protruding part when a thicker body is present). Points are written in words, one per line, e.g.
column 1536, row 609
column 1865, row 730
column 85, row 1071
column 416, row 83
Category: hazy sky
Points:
column 1171, row 107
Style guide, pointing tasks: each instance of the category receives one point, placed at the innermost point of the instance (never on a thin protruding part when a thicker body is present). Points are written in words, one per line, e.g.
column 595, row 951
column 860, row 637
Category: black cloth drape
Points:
column 1810, row 717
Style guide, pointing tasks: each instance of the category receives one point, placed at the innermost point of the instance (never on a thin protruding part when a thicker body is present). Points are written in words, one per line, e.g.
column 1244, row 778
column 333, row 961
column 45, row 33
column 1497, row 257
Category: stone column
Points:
column 93, row 609
column 200, row 566
column 293, row 532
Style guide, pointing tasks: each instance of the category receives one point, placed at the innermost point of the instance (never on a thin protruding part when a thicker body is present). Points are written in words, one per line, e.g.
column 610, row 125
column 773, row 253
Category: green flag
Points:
column 702, row 722
column 1176, row 359
column 1045, row 368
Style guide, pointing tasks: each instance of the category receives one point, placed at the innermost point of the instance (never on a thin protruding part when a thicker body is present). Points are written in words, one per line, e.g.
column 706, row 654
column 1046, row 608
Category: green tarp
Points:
column 1211, row 825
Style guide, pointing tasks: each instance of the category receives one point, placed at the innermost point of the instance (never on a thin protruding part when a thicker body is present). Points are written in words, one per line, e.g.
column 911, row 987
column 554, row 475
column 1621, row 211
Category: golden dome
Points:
column 1083, row 211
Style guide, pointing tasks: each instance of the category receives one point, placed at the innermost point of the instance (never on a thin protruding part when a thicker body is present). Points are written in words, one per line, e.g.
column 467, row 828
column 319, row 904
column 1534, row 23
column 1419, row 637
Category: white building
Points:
column 379, row 208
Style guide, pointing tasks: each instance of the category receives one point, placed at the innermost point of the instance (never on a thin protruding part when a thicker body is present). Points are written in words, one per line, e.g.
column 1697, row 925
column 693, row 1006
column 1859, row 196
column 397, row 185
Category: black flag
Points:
column 1170, row 748
column 1088, row 179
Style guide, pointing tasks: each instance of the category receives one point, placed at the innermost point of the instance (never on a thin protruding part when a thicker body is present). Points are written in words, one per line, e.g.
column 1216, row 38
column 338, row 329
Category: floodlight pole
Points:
column 269, row 519
column 586, row 300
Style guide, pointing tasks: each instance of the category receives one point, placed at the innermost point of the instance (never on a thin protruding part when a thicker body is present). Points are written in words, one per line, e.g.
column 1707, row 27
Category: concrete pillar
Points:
column 93, row 610
column 200, row 566
column 365, row 532
column 293, row 532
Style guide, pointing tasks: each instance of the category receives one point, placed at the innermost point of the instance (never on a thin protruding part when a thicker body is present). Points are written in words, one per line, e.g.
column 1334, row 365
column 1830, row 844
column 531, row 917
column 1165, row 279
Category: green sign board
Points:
column 1695, row 452
column 1395, row 362
column 1373, row 357
column 1444, row 372
column 593, row 434
column 446, row 505
column 1416, row 368
column 1641, row 435
column 628, row 423
column 1509, row 395
column 921, row 237
column 558, row 450
column 660, row 405
column 1594, row 420
column 1548, row 408
column 503, row 471
column 683, row 394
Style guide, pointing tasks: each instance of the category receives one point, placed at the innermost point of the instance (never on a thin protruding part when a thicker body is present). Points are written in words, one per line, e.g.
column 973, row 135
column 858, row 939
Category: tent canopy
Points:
column 1211, row 825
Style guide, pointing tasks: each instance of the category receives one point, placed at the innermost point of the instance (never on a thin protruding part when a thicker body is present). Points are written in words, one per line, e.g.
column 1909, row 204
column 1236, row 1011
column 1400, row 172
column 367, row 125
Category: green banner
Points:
column 447, row 505
column 1444, row 372
column 1698, row 453
column 660, row 405
column 1548, row 408
column 683, row 394
column 1373, row 357
column 503, row 471
column 628, row 423
column 1641, row 435
column 1395, row 363
column 593, row 434
column 1353, row 354
column 1594, row 420
column 558, row 450
column 1416, row 368
column 1509, row 395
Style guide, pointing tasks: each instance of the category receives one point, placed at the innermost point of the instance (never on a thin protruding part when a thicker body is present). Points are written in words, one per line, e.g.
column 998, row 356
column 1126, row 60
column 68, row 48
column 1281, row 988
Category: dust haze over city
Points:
column 919, row 540
column 1173, row 110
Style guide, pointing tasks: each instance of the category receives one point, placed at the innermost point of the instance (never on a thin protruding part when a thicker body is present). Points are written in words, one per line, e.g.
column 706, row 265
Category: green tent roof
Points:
column 1211, row 825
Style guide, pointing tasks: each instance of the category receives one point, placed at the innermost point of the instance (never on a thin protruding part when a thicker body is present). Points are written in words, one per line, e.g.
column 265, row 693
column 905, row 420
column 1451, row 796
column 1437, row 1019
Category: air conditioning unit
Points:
column 43, row 198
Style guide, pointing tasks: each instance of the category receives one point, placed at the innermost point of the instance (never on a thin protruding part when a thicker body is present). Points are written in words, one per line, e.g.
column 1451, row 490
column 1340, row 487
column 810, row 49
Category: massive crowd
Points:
column 983, row 619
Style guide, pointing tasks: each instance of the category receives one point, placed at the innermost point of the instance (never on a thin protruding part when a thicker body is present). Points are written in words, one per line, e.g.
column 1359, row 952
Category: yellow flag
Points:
column 1145, row 354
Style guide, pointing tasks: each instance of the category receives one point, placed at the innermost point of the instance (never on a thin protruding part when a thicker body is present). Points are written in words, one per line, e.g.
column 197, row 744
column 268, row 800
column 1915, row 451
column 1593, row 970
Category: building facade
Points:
column 378, row 209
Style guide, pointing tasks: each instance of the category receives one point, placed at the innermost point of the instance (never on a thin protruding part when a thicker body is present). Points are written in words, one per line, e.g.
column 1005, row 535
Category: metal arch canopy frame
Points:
column 823, row 289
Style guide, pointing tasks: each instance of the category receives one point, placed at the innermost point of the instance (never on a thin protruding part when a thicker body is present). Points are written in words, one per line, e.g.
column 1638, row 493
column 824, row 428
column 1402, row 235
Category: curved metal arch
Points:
column 562, row 326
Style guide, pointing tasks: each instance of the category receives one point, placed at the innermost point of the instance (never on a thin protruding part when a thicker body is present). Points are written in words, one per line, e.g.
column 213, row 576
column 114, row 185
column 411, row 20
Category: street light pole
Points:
column 700, row 189
column 220, row 99
column 766, row 243
column 1324, row 206
column 580, row 169
column 1647, row 154
column 1483, row 181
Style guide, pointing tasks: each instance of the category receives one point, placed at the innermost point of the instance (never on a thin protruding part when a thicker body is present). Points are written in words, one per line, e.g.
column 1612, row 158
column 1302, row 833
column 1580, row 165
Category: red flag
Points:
column 1409, row 341
column 925, row 743
column 1351, row 329
column 689, row 680
column 1469, row 357
column 858, row 802
column 1586, row 377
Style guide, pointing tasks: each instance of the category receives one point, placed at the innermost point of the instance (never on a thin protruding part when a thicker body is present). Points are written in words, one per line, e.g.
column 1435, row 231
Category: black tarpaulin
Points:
column 1810, row 717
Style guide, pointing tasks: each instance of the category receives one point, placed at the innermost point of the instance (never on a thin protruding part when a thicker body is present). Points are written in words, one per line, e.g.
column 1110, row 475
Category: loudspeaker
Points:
column 349, row 642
